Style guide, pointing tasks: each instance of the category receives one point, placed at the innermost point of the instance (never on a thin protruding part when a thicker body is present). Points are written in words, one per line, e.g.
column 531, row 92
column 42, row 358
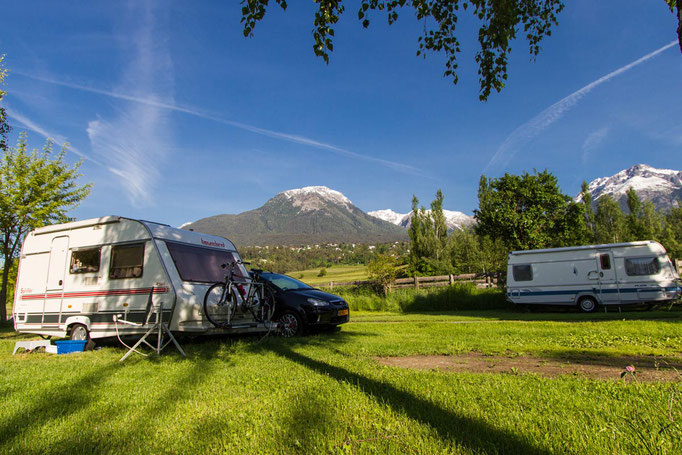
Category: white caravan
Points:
column 587, row 276
column 75, row 277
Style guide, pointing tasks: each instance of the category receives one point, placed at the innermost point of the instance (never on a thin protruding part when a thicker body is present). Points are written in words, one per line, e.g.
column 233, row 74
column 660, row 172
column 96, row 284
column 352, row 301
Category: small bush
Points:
column 459, row 297
column 323, row 272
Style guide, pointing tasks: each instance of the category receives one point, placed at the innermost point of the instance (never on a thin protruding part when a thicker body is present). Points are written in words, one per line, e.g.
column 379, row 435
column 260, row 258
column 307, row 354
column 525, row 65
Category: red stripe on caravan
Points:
column 112, row 292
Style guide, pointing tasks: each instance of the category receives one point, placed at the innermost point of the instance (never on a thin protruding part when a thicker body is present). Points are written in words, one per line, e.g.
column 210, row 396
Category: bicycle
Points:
column 223, row 299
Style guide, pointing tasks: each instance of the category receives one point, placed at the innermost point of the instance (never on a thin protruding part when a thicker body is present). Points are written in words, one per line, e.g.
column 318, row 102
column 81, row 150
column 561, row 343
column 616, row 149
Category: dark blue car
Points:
column 300, row 306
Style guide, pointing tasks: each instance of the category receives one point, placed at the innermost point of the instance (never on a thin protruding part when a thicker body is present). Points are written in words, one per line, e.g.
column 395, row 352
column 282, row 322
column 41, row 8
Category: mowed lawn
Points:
column 338, row 274
column 326, row 393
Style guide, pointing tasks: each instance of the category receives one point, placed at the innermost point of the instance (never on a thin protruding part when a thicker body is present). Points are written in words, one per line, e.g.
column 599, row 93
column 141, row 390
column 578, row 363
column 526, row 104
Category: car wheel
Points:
column 79, row 332
column 587, row 304
column 291, row 324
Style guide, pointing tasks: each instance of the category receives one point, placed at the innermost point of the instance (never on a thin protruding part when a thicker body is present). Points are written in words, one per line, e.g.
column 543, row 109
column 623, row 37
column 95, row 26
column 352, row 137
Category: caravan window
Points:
column 522, row 272
column 195, row 263
column 642, row 266
column 85, row 261
column 126, row 261
column 605, row 261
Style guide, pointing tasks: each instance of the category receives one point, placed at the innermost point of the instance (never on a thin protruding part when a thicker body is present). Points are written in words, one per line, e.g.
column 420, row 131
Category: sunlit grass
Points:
column 336, row 273
column 325, row 393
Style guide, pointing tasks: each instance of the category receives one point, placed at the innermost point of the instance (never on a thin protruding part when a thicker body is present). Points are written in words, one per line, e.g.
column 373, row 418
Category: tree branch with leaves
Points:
column 500, row 22
column 36, row 189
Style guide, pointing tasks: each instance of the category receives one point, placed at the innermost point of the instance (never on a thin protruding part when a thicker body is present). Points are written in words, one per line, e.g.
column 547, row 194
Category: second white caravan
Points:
column 587, row 276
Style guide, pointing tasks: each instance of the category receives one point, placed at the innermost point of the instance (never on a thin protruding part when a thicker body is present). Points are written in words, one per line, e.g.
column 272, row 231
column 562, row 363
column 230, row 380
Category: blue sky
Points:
column 178, row 116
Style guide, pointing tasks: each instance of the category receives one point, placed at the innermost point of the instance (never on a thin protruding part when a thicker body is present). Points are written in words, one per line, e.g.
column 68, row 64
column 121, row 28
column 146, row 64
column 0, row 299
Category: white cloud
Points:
column 170, row 106
column 529, row 130
column 593, row 140
column 133, row 142
column 58, row 139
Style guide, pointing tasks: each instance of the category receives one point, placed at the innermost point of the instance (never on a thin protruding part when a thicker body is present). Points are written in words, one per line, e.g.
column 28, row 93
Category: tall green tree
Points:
column 644, row 222
column 36, row 188
column 528, row 211
column 501, row 21
column 671, row 238
column 440, row 227
column 588, row 211
column 4, row 125
column 429, row 239
column 611, row 225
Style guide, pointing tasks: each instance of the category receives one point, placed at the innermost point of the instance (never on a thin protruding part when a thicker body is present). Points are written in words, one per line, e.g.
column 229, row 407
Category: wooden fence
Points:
column 480, row 279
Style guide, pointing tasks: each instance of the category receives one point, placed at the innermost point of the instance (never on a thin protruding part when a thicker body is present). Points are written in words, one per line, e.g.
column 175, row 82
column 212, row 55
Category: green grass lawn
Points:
column 339, row 274
column 326, row 393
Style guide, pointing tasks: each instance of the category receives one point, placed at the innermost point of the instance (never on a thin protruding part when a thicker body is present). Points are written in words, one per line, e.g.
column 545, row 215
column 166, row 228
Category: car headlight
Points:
column 318, row 302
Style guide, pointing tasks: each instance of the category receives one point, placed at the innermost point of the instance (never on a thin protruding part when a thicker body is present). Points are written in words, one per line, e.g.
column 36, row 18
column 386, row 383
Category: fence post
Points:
column 451, row 279
column 678, row 265
column 416, row 282
column 331, row 285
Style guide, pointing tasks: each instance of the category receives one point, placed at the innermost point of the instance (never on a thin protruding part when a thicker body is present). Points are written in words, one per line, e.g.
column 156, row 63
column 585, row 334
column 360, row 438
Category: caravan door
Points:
column 608, row 281
column 54, row 289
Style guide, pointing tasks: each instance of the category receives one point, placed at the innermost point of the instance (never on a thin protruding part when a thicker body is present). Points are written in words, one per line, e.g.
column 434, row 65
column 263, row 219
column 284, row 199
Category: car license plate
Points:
column 343, row 312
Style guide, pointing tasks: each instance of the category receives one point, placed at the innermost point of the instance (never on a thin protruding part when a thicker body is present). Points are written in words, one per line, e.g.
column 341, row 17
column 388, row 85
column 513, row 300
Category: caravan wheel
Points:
column 79, row 332
column 587, row 304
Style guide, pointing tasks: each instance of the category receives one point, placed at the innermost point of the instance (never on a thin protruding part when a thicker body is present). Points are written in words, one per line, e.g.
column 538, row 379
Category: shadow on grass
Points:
column 474, row 434
column 53, row 404
column 549, row 314
column 618, row 361
column 162, row 407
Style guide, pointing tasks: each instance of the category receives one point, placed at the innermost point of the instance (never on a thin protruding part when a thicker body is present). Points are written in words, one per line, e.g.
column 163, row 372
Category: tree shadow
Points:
column 471, row 433
column 147, row 416
column 617, row 361
column 53, row 404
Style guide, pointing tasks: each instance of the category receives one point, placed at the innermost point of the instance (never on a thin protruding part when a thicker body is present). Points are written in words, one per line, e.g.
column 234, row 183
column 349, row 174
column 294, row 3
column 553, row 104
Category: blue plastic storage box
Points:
column 69, row 346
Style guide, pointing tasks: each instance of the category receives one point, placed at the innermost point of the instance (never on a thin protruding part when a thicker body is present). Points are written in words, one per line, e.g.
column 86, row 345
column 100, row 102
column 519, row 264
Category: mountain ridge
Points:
column 301, row 216
column 663, row 187
column 453, row 219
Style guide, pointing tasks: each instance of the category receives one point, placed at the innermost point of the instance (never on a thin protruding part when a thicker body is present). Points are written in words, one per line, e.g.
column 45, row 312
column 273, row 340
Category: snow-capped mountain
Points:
column 314, row 214
column 453, row 219
column 661, row 186
column 311, row 198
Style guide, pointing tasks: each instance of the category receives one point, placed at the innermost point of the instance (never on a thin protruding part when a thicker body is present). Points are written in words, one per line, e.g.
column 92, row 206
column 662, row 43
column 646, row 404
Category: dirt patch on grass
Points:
column 648, row 368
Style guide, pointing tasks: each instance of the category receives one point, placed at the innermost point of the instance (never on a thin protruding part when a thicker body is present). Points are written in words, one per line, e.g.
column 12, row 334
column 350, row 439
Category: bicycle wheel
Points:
column 220, row 305
column 265, row 307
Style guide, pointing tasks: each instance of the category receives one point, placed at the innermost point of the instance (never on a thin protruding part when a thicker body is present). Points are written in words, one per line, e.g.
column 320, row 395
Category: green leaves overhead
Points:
column 500, row 20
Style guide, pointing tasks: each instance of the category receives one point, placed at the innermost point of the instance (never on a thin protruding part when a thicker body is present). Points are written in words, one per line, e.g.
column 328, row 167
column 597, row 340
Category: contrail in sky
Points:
column 30, row 125
column 529, row 130
column 243, row 126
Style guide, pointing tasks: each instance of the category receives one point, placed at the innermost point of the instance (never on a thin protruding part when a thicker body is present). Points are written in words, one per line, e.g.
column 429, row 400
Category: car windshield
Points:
column 283, row 282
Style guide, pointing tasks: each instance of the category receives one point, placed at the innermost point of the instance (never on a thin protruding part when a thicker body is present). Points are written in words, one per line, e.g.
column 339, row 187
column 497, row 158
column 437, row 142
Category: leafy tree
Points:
column 4, row 126
column 528, row 211
column 428, row 236
column 440, row 227
column 501, row 20
column 611, row 226
column 643, row 221
column 588, row 211
column 493, row 254
column 36, row 189
column 671, row 238
column 465, row 251
column 382, row 270
column 677, row 4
